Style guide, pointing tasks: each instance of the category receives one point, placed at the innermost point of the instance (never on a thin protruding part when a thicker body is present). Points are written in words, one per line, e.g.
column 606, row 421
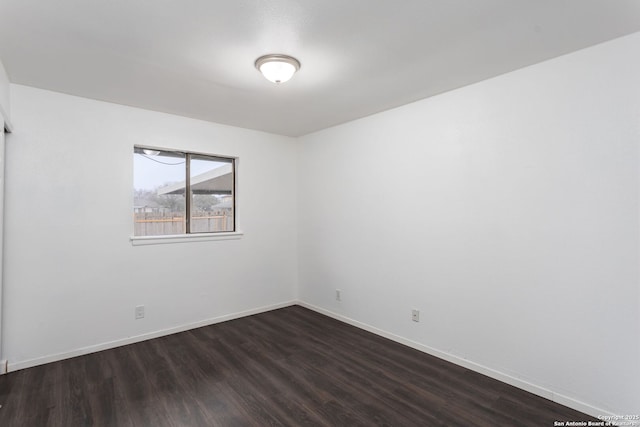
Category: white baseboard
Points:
column 3, row 367
column 14, row 366
column 500, row 376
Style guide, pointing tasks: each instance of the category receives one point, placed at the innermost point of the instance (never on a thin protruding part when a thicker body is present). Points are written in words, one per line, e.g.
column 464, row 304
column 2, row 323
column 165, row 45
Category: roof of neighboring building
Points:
column 215, row 181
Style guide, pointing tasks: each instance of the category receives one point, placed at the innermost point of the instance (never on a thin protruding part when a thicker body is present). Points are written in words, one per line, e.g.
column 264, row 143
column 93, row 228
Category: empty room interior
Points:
column 418, row 212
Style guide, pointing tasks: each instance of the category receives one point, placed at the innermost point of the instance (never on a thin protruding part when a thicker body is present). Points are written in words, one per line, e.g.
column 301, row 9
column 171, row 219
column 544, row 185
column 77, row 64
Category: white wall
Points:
column 2, row 132
column 506, row 212
column 72, row 277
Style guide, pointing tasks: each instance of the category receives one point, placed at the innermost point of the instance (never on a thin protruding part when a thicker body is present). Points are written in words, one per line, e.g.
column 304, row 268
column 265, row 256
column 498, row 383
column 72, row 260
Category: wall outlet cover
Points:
column 140, row 312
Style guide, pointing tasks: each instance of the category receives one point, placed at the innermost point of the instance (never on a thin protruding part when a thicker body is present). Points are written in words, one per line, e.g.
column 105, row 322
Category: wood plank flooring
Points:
column 288, row 367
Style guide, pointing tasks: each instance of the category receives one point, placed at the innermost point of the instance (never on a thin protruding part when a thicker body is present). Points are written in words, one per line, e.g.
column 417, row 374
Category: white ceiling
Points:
column 195, row 57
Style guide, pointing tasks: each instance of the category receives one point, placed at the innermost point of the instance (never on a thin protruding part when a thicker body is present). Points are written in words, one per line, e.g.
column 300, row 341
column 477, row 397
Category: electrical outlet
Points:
column 415, row 315
column 139, row 312
column 338, row 295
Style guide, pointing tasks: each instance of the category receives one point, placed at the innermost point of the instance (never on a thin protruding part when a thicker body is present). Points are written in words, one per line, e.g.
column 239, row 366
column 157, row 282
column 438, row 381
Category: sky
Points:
column 149, row 174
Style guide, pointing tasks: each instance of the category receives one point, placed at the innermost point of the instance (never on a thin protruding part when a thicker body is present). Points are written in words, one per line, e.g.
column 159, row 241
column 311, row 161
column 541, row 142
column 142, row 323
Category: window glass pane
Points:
column 158, row 192
column 211, row 180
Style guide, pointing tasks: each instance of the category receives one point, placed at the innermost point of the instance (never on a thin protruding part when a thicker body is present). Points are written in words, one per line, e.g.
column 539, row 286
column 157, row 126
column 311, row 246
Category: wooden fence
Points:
column 146, row 224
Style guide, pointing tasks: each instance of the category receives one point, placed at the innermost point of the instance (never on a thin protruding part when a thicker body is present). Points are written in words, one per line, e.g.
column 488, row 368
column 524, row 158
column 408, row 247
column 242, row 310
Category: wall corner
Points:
column 5, row 104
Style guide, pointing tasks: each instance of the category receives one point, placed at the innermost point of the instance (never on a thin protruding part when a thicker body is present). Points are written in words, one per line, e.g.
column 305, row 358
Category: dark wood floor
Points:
column 288, row 367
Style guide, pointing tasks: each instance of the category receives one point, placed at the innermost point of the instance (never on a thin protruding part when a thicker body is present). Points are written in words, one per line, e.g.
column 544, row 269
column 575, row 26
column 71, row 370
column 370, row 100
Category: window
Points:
column 178, row 192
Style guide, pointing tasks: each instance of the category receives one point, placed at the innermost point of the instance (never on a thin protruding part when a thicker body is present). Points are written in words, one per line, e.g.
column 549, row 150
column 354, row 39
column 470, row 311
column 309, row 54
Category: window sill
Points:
column 184, row 238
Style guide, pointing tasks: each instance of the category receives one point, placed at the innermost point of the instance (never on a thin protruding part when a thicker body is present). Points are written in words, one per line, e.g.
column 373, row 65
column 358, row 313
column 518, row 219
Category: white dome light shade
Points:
column 277, row 68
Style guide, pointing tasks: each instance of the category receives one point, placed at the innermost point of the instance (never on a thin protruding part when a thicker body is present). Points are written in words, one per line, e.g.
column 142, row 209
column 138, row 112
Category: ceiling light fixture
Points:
column 277, row 68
